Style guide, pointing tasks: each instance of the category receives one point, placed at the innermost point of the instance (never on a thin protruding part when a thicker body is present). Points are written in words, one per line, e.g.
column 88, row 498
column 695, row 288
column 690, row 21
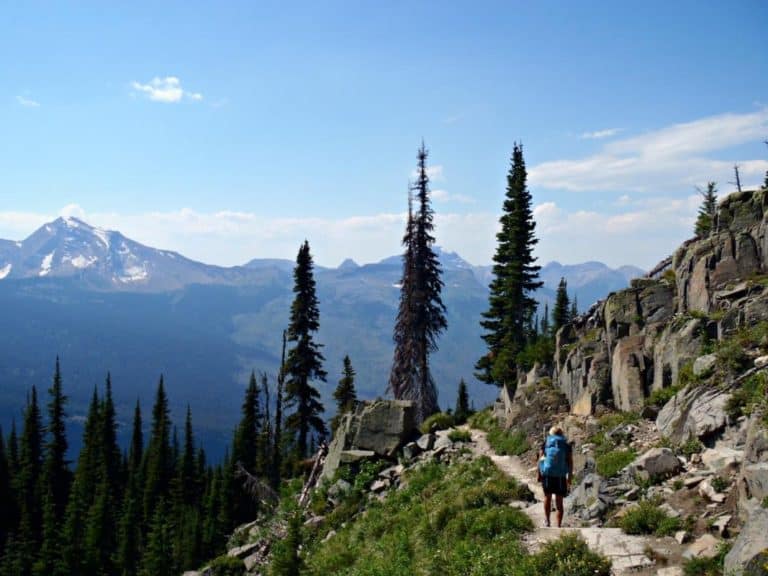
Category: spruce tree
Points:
column 129, row 527
column 277, row 440
column 6, row 496
column 83, row 491
column 562, row 312
column 285, row 559
column 421, row 314
column 245, row 450
column 188, row 463
column 574, row 309
column 515, row 278
column 158, row 555
column 56, row 474
column 345, row 394
column 28, row 484
column 245, row 444
column 403, row 375
column 707, row 211
column 462, row 412
column 545, row 321
column 305, row 361
column 158, row 460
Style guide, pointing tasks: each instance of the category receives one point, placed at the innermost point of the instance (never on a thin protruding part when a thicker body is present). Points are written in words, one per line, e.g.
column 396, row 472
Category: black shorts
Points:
column 554, row 485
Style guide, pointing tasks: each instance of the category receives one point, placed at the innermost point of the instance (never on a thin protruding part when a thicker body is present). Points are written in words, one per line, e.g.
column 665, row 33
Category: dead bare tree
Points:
column 260, row 491
column 738, row 179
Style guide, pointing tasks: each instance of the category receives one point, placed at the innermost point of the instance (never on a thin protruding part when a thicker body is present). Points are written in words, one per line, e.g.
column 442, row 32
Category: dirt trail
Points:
column 627, row 553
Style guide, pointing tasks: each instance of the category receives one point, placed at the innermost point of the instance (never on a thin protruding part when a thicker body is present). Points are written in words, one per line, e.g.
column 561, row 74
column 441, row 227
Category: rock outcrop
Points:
column 377, row 428
column 638, row 340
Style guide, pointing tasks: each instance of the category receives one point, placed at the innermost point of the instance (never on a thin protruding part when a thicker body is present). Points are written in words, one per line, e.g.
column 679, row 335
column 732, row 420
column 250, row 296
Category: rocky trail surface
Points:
column 628, row 554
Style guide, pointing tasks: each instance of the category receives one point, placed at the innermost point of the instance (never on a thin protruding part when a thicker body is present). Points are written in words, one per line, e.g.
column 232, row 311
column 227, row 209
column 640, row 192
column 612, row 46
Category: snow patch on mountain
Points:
column 45, row 266
column 5, row 270
column 134, row 274
column 82, row 262
column 102, row 235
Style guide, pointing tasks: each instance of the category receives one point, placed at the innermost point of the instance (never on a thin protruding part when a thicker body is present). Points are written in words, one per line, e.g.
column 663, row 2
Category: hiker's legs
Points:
column 559, row 504
column 547, row 505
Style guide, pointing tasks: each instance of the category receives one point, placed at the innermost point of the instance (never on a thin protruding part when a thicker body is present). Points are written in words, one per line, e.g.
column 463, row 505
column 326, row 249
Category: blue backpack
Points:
column 555, row 461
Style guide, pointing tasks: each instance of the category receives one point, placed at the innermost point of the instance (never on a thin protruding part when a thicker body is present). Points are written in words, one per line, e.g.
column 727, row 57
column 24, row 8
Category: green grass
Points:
column 459, row 436
column 504, row 442
column 647, row 518
column 447, row 520
column 508, row 443
column 439, row 421
column 610, row 463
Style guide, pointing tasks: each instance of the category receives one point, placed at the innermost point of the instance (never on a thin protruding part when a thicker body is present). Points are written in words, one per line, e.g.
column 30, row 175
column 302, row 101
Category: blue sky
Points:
column 229, row 131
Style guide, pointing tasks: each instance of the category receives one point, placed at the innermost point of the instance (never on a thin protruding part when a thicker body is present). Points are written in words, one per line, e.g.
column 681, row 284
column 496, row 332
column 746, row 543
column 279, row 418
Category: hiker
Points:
column 555, row 471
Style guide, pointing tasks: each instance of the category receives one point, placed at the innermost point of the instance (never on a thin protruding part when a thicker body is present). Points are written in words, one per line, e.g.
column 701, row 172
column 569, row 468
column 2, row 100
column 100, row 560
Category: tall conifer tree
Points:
column 462, row 403
column 345, row 394
column 28, row 484
column 6, row 497
column 158, row 464
column 421, row 313
column 707, row 211
column 56, row 474
column 561, row 313
column 305, row 361
column 515, row 278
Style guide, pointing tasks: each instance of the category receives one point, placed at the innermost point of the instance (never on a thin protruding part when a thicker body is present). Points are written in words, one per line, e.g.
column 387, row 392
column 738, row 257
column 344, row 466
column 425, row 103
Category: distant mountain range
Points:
column 104, row 302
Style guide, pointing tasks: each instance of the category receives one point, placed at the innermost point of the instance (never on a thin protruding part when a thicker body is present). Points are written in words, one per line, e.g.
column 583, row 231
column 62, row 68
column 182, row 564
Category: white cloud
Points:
column 675, row 157
column 599, row 134
column 27, row 102
column 640, row 233
column 443, row 196
column 433, row 172
column 167, row 90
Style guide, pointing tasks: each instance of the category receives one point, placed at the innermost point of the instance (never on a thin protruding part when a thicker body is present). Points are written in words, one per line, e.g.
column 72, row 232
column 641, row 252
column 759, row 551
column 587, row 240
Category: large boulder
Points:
column 656, row 463
column 694, row 412
column 752, row 540
column 588, row 500
column 374, row 429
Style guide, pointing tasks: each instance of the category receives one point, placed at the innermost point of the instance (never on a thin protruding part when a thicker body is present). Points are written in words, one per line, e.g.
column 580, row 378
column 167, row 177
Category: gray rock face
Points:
column 588, row 500
column 377, row 428
column 693, row 412
column 752, row 540
column 753, row 478
column 656, row 463
column 629, row 371
column 704, row 364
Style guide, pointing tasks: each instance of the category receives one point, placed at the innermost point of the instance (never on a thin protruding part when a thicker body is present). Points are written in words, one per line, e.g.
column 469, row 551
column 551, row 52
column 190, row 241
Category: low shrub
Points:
column 661, row 396
column 439, row 421
column 648, row 518
column 227, row 566
column 610, row 463
column 731, row 355
column 508, row 442
column 751, row 395
column 569, row 555
column 690, row 447
column 483, row 420
column 459, row 436
column 720, row 484
column 707, row 566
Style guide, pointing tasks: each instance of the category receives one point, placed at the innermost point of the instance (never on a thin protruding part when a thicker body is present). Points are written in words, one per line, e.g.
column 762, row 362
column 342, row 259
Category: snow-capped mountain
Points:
column 68, row 247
